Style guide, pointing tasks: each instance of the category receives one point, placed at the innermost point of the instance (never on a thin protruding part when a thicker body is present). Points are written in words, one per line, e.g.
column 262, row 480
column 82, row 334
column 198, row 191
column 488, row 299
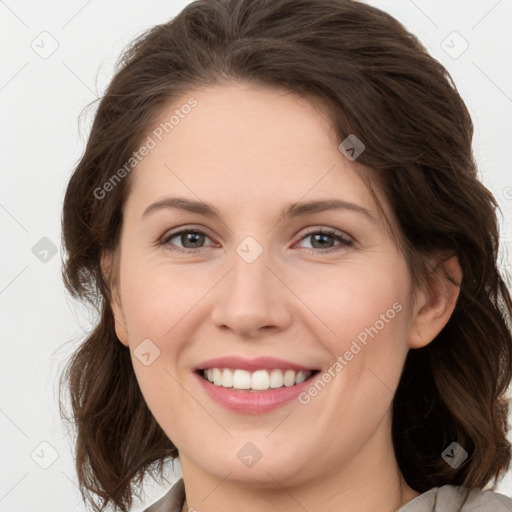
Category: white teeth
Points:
column 227, row 378
column 289, row 378
column 276, row 379
column 241, row 379
column 217, row 377
column 259, row 380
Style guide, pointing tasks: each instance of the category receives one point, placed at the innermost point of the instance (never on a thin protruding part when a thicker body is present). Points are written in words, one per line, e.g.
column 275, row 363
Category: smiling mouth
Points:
column 259, row 380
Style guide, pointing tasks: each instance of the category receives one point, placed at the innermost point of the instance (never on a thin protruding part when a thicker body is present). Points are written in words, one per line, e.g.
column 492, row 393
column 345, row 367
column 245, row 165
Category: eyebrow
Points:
column 290, row 211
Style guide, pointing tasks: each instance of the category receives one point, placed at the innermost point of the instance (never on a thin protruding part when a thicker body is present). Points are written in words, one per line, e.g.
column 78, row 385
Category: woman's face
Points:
column 256, row 284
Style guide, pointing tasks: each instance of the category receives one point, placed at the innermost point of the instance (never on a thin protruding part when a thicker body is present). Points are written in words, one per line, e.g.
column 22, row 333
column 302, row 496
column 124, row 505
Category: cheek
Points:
column 163, row 304
column 158, row 297
column 366, row 312
column 361, row 301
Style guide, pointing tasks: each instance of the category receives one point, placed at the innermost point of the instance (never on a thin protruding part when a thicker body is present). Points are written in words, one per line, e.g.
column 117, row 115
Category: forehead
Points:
column 248, row 146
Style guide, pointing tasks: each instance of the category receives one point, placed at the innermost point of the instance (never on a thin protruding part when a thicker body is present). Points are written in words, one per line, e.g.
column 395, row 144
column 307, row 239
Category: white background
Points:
column 41, row 100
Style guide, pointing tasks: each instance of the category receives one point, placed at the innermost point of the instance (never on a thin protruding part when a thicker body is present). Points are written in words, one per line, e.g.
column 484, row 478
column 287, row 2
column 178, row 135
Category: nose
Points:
column 252, row 300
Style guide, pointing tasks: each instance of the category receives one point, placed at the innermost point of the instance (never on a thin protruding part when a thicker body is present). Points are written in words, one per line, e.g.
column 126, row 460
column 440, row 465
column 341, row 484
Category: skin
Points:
column 249, row 151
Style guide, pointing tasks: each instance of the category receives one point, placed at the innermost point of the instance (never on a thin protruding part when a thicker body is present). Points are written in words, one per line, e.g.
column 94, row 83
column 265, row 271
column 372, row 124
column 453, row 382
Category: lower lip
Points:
column 250, row 401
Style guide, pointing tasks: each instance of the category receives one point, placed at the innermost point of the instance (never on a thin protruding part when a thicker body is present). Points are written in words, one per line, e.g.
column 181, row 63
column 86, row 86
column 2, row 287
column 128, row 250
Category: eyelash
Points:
column 344, row 241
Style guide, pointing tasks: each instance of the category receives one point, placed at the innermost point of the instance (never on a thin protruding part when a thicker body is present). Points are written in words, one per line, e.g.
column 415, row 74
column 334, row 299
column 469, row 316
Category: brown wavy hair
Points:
column 375, row 80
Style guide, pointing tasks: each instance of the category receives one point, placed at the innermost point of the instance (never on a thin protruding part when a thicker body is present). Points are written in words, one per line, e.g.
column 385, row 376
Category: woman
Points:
column 279, row 217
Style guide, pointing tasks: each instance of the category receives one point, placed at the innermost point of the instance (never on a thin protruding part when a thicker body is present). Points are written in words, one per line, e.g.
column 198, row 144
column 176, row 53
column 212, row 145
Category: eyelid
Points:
column 185, row 227
column 327, row 230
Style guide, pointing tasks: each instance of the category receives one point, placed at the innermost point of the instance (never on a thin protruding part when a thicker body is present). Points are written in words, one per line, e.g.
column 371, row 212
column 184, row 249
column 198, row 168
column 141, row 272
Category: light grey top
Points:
column 450, row 498
column 447, row 498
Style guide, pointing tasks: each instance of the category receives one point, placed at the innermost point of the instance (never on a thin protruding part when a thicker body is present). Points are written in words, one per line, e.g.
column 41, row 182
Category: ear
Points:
column 108, row 267
column 435, row 306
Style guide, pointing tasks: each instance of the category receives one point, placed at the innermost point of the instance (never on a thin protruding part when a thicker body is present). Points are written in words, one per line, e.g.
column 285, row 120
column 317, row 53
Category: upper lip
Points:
column 259, row 363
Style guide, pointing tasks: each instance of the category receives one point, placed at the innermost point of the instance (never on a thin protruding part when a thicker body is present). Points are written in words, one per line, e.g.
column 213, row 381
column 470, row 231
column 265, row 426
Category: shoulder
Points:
column 448, row 498
column 171, row 501
column 451, row 498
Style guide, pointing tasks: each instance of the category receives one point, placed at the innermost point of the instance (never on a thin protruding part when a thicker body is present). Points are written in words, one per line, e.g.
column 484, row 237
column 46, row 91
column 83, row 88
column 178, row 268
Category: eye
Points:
column 191, row 240
column 322, row 238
